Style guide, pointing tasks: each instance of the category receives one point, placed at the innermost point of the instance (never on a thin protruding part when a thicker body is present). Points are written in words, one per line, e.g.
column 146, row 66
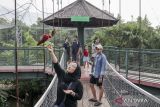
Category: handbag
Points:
column 62, row 104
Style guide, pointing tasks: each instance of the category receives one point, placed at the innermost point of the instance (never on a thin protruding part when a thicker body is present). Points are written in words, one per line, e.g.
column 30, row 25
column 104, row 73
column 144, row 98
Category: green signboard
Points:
column 80, row 19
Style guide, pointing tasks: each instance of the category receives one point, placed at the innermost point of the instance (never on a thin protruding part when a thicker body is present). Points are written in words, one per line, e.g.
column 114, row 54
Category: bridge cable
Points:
column 102, row 17
column 53, row 14
column 14, row 10
column 58, row 18
column 61, row 20
column 37, row 23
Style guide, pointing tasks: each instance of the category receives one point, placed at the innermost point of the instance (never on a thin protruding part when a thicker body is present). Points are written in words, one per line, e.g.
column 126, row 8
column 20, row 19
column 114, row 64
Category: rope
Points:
column 109, row 5
column 37, row 23
column 102, row 11
column 58, row 14
column 10, row 11
column 112, row 85
column 119, row 24
column 27, row 10
column 61, row 19
column 14, row 10
column 102, row 17
column 53, row 13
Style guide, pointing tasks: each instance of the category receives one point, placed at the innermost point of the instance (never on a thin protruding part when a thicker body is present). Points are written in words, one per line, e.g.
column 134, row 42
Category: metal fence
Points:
column 140, row 63
column 31, row 56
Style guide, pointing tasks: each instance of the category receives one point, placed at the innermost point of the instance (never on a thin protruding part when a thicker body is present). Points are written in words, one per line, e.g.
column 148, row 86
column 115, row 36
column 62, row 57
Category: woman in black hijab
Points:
column 69, row 87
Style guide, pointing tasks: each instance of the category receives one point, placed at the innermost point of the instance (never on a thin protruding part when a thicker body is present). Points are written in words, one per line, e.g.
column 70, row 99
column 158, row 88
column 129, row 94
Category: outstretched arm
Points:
column 60, row 72
column 54, row 58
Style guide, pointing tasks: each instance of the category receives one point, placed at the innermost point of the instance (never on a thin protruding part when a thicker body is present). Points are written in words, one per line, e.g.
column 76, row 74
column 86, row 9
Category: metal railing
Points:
column 27, row 56
column 140, row 62
column 122, row 93
column 49, row 97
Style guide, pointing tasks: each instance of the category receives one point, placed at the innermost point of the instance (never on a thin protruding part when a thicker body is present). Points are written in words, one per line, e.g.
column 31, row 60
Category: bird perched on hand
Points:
column 46, row 37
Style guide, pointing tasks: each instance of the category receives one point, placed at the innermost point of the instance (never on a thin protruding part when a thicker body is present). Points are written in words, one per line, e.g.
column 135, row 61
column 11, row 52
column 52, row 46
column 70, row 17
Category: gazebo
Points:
column 80, row 14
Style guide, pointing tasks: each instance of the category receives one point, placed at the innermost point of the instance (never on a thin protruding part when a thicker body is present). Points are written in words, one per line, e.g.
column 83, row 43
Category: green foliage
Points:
column 3, row 21
column 29, row 40
column 133, row 34
column 6, row 35
column 36, row 29
column 155, row 42
column 30, row 90
column 130, row 35
column 3, row 98
column 32, row 86
column 60, row 36
column 7, row 57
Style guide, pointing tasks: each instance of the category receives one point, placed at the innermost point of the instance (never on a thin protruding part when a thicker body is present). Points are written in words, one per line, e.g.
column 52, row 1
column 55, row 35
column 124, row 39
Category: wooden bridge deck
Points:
column 11, row 69
column 147, row 79
column 25, row 72
column 87, row 92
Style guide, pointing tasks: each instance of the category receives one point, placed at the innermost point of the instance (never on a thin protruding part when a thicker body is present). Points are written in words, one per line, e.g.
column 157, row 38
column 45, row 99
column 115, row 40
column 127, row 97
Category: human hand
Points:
column 71, row 92
column 50, row 48
column 91, row 63
column 48, row 43
column 100, row 80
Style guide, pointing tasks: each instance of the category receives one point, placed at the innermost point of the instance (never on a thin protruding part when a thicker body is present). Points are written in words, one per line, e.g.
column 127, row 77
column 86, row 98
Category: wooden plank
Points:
column 87, row 95
column 26, row 69
column 87, row 91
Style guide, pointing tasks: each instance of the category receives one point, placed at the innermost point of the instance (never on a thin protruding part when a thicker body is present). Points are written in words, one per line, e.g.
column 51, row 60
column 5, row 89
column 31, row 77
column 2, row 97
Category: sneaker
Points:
column 97, row 103
column 92, row 100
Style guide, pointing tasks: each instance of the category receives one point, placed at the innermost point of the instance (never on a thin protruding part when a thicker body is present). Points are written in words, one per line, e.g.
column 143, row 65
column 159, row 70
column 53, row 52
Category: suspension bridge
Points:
column 118, row 86
column 125, row 66
column 119, row 91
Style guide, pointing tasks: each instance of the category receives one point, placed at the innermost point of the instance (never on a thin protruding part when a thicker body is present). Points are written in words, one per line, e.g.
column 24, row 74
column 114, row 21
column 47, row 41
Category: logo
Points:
column 129, row 101
column 118, row 100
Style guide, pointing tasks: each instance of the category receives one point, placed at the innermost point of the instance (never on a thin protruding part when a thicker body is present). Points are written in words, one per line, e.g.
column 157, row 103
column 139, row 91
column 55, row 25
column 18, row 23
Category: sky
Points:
column 129, row 8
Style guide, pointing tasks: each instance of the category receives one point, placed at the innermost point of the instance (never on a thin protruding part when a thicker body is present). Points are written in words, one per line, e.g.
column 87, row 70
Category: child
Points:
column 85, row 57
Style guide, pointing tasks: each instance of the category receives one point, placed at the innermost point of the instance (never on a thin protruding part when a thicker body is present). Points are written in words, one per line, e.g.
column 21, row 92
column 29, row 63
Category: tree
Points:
column 3, row 21
column 3, row 98
column 29, row 40
column 134, row 34
column 6, row 36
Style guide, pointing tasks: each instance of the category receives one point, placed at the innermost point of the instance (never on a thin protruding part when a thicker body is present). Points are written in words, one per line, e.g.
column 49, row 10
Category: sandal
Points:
column 92, row 100
column 97, row 103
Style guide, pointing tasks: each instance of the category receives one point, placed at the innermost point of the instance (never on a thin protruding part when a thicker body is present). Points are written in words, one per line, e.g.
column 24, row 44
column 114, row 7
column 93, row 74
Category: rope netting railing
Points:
column 122, row 93
column 49, row 96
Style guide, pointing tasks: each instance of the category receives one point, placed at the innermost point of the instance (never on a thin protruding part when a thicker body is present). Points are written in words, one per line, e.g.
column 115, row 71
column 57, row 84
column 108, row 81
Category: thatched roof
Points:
column 98, row 18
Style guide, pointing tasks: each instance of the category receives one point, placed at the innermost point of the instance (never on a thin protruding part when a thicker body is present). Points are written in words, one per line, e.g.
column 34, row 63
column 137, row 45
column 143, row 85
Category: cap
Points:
column 99, row 46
